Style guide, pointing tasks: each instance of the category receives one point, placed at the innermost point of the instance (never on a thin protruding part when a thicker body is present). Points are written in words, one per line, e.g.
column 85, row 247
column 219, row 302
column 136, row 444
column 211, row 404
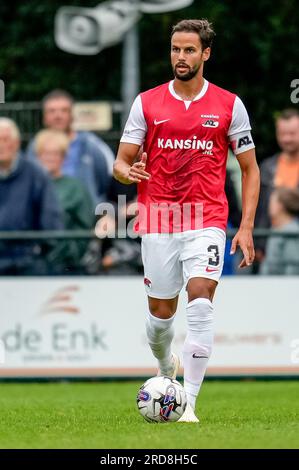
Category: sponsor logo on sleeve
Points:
column 244, row 141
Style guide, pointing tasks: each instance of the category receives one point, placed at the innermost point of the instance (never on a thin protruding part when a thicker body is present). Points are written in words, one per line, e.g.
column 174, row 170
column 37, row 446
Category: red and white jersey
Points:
column 187, row 147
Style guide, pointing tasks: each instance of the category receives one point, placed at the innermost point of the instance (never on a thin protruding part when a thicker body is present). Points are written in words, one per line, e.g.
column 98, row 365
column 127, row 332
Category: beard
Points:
column 187, row 75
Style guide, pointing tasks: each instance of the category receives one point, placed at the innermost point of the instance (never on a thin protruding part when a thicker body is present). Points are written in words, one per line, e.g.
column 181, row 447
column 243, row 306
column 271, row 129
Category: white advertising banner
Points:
column 94, row 327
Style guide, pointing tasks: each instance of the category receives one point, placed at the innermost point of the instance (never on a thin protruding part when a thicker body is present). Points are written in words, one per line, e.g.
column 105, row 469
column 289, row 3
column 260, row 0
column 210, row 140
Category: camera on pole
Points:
column 87, row 31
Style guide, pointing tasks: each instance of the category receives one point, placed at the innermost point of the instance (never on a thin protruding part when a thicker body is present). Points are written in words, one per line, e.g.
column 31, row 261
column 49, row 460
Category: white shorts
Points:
column 170, row 260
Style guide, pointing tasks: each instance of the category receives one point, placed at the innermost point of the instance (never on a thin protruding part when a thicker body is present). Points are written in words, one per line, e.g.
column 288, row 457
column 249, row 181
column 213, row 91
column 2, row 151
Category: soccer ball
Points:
column 161, row 399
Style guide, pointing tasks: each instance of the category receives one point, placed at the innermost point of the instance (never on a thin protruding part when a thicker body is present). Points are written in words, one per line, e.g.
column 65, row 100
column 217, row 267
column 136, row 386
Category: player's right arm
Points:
column 126, row 170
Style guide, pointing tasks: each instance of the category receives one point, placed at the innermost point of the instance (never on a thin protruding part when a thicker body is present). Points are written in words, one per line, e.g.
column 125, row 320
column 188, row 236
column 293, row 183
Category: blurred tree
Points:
column 255, row 54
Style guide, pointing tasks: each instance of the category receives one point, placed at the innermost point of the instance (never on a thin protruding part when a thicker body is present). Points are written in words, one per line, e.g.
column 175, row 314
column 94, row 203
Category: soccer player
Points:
column 185, row 127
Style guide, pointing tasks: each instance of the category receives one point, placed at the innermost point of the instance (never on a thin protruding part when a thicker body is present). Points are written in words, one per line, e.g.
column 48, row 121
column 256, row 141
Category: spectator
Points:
column 123, row 255
column 282, row 253
column 51, row 147
column 27, row 202
column 120, row 256
column 88, row 158
column 282, row 169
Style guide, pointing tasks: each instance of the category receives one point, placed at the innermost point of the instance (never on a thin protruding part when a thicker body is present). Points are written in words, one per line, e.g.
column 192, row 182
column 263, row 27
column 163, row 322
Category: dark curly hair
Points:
column 202, row 27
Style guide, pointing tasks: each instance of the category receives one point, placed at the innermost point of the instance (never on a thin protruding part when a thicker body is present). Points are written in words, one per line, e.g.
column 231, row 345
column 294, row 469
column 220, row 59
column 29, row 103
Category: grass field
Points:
column 104, row 415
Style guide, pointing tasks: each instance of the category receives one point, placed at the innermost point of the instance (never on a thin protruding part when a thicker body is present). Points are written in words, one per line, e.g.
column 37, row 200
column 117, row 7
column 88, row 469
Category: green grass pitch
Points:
column 104, row 415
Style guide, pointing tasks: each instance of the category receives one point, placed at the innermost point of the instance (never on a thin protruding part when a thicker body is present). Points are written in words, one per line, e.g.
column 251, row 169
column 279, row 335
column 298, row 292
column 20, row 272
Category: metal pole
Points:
column 130, row 71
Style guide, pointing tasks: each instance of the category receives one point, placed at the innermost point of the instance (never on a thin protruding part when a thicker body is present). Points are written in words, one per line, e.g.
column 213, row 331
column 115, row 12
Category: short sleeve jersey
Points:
column 187, row 146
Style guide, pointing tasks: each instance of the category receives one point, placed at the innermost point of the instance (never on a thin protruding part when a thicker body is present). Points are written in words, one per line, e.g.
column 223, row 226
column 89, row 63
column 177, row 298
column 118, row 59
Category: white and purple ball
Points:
column 161, row 399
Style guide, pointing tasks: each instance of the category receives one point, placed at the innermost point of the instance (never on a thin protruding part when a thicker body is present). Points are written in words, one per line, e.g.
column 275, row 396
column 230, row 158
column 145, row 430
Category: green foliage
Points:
column 255, row 54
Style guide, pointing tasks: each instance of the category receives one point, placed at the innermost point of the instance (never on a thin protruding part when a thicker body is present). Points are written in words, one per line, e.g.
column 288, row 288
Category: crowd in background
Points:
column 58, row 181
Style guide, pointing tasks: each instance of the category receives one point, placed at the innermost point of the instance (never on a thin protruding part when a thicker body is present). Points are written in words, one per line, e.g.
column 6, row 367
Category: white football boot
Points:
column 176, row 366
column 188, row 416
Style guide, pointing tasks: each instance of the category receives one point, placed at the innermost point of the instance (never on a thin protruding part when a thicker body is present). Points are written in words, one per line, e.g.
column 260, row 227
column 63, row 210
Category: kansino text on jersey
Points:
column 194, row 143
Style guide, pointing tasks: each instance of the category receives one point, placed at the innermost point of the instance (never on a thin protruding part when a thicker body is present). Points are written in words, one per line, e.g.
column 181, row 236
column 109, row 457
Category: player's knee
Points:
column 201, row 288
column 200, row 295
column 162, row 308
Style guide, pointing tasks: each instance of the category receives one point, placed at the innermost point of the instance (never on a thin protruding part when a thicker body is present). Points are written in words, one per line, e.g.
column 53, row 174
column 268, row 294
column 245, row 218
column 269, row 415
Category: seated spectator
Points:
column 51, row 147
column 282, row 253
column 27, row 202
column 280, row 170
column 123, row 255
column 88, row 157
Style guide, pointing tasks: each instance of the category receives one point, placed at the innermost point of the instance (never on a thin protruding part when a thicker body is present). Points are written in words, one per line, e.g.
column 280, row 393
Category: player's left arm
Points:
column 243, row 147
column 250, row 195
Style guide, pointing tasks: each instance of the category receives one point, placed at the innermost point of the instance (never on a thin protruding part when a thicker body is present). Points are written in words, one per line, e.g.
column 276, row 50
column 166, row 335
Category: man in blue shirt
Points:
column 89, row 159
column 27, row 202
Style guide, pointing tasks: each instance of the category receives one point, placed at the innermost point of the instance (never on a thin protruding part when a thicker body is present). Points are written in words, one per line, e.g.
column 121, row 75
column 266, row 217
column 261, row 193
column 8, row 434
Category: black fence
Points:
column 81, row 252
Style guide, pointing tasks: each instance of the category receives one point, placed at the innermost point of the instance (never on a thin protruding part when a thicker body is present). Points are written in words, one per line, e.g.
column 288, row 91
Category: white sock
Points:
column 198, row 346
column 160, row 333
